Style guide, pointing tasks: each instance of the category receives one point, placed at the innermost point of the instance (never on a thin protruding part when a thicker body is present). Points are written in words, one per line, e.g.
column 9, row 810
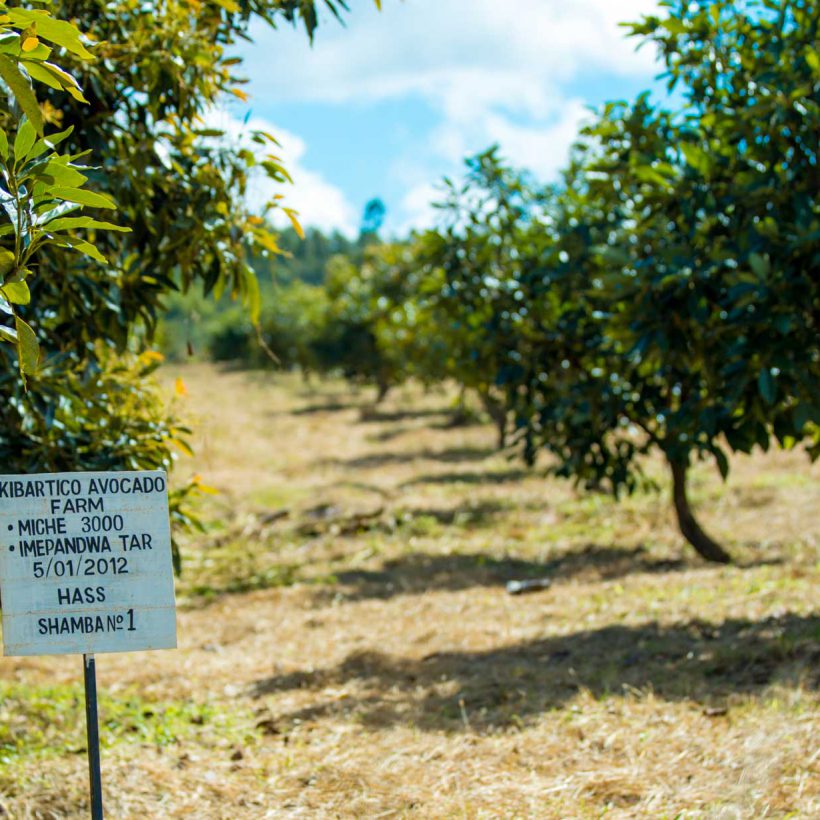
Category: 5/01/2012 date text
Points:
column 80, row 567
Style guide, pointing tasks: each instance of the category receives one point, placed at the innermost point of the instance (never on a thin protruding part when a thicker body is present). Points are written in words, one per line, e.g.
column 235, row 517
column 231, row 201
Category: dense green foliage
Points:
column 664, row 296
column 132, row 93
column 40, row 184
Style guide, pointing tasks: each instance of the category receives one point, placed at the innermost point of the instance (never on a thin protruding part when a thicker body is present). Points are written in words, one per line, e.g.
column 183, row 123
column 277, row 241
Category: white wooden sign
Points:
column 85, row 563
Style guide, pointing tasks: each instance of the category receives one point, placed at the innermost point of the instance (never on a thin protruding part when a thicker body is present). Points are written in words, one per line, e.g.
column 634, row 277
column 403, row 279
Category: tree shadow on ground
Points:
column 421, row 572
column 456, row 422
column 500, row 688
column 479, row 512
column 374, row 414
column 392, row 433
column 327, row 406
column 451, row 455
column 364, row 486
column 488, row 477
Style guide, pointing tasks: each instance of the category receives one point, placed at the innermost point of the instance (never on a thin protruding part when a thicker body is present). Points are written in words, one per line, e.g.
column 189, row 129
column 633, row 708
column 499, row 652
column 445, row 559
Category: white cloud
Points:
column 417, row 208
column 541, row 147
column 544, row 150
column 319, row 203
column 454, row 52
column 494, row 71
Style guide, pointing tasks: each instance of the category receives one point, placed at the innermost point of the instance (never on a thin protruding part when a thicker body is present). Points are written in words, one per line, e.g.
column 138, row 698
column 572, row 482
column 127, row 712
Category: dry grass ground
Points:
column 347, row 647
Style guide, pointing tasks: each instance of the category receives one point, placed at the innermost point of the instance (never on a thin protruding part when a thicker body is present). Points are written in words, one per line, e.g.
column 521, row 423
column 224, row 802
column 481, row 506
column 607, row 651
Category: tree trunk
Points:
column 689, row 527
column 383, row 388
column 498, row 413
column 461, row 413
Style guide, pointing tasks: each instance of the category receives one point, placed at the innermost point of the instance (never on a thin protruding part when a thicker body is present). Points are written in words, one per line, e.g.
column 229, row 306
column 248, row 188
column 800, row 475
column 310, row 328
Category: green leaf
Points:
column 645, row 173
column 277, row 171
column 71, row 223
column 58, row 171
column 767, row 227
column 28, row 349
column 7, row 262
column 766, row 385
column 741, row 439
column 760, row 265
column 674, row 26
column 48, row 143
column 21, row 89
column 16, row 293
column 805, row 413
column 45, row 211
column 89, row 250
column 37, row 72
column 4, row 144
column 83, row 197
column 253, row 297
column 58, row 32
column 722, row 462
column 696, row 157
column 24, row 140
column 54, row 76
column 8, row 334
column 294, row 221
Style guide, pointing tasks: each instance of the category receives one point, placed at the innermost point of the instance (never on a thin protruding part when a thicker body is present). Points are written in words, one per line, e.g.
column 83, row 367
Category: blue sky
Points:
column 393, row 101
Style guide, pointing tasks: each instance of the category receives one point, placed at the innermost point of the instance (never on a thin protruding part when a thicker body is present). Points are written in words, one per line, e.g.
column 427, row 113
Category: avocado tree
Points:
column 468, row 283
column 146, row 88
column 361, row 294
column 716, row 304
column 751, row 180
column 40, row 186
column 693, row 244
column 440, row 306
column 667, row 289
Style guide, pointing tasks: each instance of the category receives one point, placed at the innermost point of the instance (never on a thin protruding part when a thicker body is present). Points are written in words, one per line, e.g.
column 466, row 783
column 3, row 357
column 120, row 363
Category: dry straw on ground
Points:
column 347, row 647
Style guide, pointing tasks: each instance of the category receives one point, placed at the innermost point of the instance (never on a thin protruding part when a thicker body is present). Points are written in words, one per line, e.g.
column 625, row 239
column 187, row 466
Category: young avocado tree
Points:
column 752, row 181
column 693, row 245
column 469, row 275
column 361, row 294
column 670, row 286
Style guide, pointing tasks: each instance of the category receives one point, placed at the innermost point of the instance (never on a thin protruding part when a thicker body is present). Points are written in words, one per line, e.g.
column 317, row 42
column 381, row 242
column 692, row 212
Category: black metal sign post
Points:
column 93, row 734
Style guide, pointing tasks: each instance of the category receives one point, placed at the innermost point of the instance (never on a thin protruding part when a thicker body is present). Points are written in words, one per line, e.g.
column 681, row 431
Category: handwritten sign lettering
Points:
column 85, row 563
